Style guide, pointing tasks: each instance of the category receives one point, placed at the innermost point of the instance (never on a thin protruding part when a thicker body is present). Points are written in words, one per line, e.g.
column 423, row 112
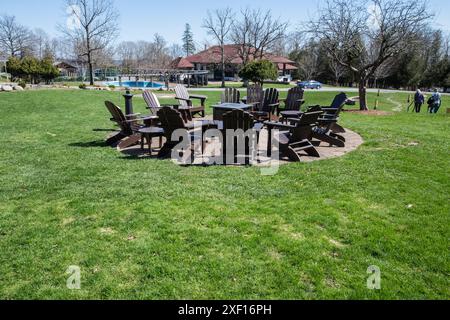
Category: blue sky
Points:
column 140, row 19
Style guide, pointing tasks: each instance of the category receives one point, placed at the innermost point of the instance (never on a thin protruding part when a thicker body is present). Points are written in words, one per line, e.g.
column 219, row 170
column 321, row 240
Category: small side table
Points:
column 147, row 134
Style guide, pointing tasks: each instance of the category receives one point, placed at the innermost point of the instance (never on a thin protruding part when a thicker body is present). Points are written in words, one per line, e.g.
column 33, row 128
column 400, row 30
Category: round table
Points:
column 147, row 134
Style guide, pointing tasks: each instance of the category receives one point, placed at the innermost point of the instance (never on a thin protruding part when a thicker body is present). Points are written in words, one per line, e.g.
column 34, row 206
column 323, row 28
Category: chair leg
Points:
column 292, row 155
column 149, row 141
column 328, row 139
column 130, row 141
column 336, row 128
column 142, row 141
column 114, row 139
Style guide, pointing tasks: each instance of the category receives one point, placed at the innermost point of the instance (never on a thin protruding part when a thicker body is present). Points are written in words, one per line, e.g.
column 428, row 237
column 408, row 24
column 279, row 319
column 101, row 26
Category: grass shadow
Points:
column 91, row 144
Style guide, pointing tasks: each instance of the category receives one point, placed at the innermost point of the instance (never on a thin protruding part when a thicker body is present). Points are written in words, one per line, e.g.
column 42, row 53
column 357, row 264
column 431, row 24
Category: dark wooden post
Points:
column 128, row 102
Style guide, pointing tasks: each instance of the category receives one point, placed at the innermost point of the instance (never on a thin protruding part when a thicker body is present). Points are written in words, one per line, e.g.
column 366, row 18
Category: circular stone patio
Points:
column 353, row 141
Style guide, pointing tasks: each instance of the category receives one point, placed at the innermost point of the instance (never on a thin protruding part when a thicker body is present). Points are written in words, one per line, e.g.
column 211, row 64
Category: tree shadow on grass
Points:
column 91, row 144
column 104, row 130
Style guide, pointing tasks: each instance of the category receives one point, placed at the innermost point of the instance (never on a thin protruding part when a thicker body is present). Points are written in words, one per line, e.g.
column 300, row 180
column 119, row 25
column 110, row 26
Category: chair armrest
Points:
column 327, row 109
column 189, row 101
column 193, row 96
column 201, row 98
column 271, row 124
column 134, row 115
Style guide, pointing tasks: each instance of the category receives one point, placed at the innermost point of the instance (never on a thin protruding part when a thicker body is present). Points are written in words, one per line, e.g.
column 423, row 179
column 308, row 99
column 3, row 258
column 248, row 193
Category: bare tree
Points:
column 93, row 29
column 336, row 68
column 41, row 43
column 363, row 34
column 175, row 51
column 14, row 38
column 383, row 71
column 257, row 32
column 218, row 25
column 126, row 52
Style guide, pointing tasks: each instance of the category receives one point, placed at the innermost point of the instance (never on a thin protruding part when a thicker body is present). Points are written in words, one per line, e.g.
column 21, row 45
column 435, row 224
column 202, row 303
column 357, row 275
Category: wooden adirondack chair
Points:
column 152, row 102
column 331, row 114
column 231, row 95
column 296, row 137
column 240, row 120
column 294, row 100
column 268, row 106
column 172, row 120
column 255, row 95
column 129, row 127
column 185, row 100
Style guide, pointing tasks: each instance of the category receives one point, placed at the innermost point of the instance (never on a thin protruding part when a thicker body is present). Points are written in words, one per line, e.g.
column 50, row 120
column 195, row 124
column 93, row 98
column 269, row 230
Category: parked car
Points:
column 310, row 85
column 284, row 79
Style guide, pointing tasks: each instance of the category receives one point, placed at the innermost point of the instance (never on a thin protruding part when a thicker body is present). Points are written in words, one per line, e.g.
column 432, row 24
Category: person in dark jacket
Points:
column 419, row 100
column 434, row 103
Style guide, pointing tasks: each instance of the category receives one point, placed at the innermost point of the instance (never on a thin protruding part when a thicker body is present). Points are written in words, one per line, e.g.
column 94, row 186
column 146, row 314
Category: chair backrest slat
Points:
column 339, row 101
column 182, row 92
column 171, row 120
column 304, row 126
column 271, row 96
column 238, row 119
column 231, row 95
column 255, row 94
column 152, row 102
column 293, row 97
column 119, row 117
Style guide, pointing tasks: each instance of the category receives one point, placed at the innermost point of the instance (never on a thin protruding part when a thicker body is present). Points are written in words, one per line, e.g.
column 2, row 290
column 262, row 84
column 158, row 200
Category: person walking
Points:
column 435, row 101
column 419, row 100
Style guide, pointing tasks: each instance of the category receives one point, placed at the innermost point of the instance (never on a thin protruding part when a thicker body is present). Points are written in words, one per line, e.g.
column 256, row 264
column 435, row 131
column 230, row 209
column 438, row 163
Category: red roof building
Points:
column 211, row 59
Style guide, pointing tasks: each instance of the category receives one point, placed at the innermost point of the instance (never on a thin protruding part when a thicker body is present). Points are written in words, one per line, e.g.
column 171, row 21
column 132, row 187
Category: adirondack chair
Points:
column 293, row 102
column 185, row 100
column 331, row 114
column 172, row 120
column 129, row 127
column 255, row 95
column 268, row 106
column 240, row 120
column 295, row 138
column 231, row 95
column 322, row 131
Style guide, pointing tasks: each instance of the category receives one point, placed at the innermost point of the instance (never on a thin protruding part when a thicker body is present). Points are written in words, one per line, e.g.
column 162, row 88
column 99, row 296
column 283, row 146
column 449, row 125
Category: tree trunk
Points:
column 223, row 66
column 91, row 70
column 363, row 94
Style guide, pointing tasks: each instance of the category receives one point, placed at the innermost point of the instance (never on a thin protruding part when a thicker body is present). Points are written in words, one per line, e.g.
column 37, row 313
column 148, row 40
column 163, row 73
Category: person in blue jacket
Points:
column 419, row 100
column 435, row 102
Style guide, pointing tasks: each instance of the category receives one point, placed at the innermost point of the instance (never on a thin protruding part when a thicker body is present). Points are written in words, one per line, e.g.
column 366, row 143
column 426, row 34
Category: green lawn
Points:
column 148, row 229
column 217, row 85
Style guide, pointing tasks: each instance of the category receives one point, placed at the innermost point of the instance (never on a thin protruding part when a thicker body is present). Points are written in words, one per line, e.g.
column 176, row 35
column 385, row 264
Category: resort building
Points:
column 67, row 69
column 211, row 60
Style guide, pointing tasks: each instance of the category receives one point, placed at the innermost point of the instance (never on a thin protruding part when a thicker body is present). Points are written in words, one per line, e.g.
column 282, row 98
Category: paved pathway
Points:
column 353, row 142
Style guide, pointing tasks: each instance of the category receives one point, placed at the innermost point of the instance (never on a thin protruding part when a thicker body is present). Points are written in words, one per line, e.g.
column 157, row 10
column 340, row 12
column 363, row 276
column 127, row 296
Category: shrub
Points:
column 32, row 69
column 112, row 87
column 82, row 86
column 258, row 71
column 22, row 84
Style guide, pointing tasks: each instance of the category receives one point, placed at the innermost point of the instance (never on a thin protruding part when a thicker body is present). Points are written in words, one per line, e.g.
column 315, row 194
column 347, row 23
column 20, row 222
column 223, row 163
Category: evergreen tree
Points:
column 188, row 40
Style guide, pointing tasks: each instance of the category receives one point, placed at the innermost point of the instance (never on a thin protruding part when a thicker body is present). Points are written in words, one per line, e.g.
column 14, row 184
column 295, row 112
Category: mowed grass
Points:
column 148, row 229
